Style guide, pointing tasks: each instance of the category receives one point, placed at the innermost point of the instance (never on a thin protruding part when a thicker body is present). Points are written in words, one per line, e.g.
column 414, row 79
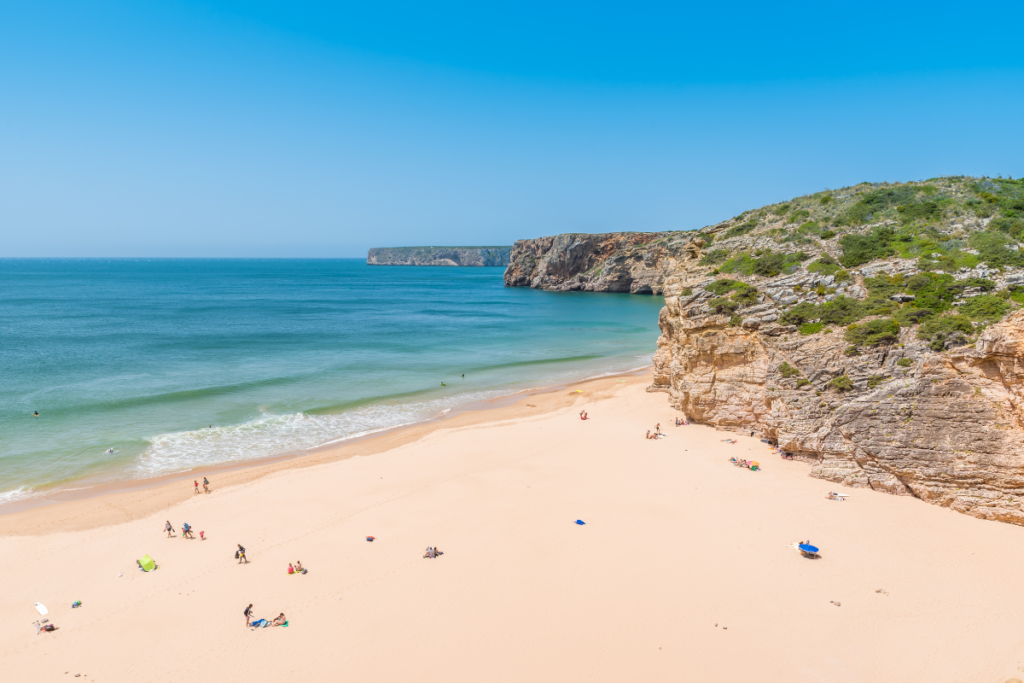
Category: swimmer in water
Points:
column 110, row 450
column 35, row 413
column 443, row 384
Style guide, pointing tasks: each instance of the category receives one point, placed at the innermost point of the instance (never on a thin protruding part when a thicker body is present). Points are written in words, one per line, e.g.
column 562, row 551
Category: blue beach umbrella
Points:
column 807, row 548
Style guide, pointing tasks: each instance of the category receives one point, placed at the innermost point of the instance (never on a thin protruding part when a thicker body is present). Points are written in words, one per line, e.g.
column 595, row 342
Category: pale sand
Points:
column 676, row 541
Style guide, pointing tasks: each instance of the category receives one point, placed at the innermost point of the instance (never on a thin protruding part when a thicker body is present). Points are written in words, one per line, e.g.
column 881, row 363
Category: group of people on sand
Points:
column 297, row 569
column 753, row 466
column 433, row 552
column 583, row 415
column 186, row 531
column 280, row 620
column 657, row 432
column 681, row 423
column 206, row 485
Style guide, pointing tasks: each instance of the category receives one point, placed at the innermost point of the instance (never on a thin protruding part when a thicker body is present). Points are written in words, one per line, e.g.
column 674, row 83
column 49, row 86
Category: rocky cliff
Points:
column 439, row 256
column 876, row 332
column 635, row 262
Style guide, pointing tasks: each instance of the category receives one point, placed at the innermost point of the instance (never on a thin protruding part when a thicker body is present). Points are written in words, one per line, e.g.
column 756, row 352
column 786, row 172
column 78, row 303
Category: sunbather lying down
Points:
column 728, row 440
column 832, row 495
column 432, row 553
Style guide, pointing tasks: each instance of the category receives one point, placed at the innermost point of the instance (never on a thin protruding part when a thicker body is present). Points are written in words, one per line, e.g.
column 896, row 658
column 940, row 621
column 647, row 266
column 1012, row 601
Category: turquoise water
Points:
column 182, row 363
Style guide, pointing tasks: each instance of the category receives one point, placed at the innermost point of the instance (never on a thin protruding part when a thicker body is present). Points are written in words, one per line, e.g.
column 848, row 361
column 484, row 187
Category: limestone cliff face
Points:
column 947, row 428
column 439, row 256
column 635, row 262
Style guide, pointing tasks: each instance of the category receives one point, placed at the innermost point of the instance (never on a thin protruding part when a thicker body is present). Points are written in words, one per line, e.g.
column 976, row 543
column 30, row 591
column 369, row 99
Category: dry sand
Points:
column 683, row 571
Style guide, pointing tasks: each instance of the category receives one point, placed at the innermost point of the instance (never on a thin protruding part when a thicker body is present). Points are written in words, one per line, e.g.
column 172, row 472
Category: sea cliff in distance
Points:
column 875, row 331
column 439, row 256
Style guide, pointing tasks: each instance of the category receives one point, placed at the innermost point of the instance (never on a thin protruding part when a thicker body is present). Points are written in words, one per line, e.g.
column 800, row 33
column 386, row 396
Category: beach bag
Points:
column 49, row 627
column 236, row 553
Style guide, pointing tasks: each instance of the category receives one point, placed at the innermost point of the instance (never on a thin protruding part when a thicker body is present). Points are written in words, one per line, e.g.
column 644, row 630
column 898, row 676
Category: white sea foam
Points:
column 20, row 493
column 271, row 434
column 277, row 434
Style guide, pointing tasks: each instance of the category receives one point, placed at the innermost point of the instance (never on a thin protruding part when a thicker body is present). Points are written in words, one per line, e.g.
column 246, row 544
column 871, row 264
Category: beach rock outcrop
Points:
column 875, row 332
column 890, row 374
column 634, row 262
column 439, row 256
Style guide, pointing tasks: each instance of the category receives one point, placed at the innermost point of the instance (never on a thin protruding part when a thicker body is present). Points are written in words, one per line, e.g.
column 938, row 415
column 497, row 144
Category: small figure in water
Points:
column 110, row 450
column 35, row 413
column 463, row 375
column 443, row 384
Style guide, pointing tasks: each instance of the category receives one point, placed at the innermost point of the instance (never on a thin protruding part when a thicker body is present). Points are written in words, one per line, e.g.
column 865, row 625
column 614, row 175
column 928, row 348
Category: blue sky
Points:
column 321, row 129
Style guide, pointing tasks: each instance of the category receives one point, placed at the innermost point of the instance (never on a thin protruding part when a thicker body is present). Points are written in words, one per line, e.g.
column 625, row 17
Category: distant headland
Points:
column 439, row 256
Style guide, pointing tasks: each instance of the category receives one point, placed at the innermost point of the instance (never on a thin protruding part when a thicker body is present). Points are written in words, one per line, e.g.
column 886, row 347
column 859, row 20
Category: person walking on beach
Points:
column 196, row 484
column 248, row 614
column 206, row 484
column 186, row 531
column 240, row 554
column 168, row 528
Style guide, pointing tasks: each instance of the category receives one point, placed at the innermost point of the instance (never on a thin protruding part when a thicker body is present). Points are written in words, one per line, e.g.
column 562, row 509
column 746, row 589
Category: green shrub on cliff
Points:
column 872, row 204
column 741, row 229
column 859, row 249
column 874, row 332
column 798, row 215
column 937, row 329
column 723, row 306
column 826, row 265
column 714, row 257
column 984, row 307
column 841, row 383
column 788, row 371
column 725, row 285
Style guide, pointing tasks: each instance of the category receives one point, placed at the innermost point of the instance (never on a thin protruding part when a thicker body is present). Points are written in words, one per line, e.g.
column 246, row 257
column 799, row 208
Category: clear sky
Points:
column 252, row 128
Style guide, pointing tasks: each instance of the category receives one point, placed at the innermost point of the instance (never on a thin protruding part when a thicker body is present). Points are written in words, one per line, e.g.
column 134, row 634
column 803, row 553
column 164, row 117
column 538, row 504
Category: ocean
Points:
column 180, row 363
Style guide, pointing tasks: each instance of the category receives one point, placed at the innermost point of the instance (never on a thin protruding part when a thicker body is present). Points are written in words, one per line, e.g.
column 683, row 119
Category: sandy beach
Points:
column 684, row 570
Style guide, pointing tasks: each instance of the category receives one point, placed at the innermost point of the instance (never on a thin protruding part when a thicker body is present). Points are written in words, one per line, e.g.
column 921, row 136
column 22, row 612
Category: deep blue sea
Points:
column 178, row 363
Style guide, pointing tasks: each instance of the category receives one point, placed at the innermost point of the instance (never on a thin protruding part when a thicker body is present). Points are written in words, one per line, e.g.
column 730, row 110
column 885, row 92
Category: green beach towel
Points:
column 147, row 563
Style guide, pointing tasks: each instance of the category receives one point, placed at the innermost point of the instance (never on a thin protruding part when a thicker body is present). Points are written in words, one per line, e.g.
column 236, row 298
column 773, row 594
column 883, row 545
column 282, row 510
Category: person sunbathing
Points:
column 429, row 553
column 291, row 569
column 583, row 415
column 298, row 567
column 280, row 621
column 648, row 433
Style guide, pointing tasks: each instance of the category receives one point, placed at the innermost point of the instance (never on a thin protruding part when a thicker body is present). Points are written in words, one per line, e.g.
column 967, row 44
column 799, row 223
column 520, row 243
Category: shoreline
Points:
column 76, row 509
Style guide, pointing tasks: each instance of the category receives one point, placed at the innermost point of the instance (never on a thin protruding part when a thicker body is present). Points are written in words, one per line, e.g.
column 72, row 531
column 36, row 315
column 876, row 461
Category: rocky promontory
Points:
column 439, row 256
column 875, row 332
column 635, row 262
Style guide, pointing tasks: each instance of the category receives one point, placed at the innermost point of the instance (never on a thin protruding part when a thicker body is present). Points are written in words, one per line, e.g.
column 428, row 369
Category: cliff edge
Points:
column 439, row 256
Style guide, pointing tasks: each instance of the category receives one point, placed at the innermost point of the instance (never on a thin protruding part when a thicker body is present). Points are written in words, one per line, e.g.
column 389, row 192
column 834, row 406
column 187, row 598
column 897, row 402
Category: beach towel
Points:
column 41, row 608
column 260, row 623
